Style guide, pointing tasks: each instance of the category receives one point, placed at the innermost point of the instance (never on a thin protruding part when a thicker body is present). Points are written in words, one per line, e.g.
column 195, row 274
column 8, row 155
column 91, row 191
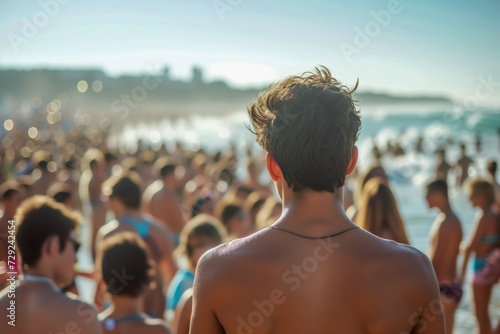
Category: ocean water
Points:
column 444, row 126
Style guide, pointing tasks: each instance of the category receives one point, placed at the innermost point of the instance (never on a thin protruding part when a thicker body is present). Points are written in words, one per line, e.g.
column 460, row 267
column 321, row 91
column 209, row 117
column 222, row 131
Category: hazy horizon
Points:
column 396, row 47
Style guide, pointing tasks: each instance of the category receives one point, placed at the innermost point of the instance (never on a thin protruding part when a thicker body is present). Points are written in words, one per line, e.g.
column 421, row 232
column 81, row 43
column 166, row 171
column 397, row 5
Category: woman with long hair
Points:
column 378, row 212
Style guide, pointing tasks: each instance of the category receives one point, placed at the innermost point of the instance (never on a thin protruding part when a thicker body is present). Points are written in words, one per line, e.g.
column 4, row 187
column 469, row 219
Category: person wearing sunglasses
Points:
column 46, row 245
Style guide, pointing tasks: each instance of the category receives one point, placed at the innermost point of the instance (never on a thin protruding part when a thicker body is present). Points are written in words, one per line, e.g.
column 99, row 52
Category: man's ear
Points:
column 354, row 160
column 51, row 246
column 272, row 167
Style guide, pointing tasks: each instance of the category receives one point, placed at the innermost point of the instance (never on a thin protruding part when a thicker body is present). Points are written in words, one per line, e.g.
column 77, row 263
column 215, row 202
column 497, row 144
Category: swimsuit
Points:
column 451, row 291
column 142, row 227
column 487, row 269
column 182, row 281
column 110, row 324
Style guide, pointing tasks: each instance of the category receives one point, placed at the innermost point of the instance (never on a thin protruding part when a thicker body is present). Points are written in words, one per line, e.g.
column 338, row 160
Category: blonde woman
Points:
column 378, row 212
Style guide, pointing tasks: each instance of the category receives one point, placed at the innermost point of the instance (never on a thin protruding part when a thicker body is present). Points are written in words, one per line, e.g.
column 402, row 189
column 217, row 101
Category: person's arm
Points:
column 167, row 266
column 183, row 311
column 431, row 320
column 472, row 245
column 203, row 318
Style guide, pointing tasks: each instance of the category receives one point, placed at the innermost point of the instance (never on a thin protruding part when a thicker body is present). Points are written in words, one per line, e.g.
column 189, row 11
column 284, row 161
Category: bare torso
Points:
column 446, row 235
column 41, row 309
column 275, row 282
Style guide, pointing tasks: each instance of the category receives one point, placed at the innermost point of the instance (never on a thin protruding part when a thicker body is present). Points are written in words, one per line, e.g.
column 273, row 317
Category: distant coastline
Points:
column 149, row 95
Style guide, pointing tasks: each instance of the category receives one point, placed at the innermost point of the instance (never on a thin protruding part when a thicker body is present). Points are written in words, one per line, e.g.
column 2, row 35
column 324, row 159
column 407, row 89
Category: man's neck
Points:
column 135, row 213
column 445, row 208
column 313, row 211
column 41, row 271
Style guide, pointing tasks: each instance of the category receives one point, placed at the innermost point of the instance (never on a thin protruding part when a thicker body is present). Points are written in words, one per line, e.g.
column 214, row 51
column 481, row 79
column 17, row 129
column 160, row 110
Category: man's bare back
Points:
column 41, row 309
column 275, row 282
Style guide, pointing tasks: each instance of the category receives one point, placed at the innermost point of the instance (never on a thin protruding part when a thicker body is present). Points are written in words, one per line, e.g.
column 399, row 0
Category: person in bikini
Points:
column 313, row 270
column 45, row 236
column 127, row 254
column 484, row 243
column 446, row 235
column 124, row 197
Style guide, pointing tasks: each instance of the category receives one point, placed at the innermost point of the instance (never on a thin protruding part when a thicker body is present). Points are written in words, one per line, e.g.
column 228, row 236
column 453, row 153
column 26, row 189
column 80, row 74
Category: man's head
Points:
column 61, row 193
column 165, row 168
column 235, row 219
column 46, row 237
column 124, row 192
column 437, row 193
column 10, row 196
column 492, row 168
column 308, row 125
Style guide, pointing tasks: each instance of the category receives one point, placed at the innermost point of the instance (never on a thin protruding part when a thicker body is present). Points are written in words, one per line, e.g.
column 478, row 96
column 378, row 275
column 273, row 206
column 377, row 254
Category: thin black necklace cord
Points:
column 307, row 237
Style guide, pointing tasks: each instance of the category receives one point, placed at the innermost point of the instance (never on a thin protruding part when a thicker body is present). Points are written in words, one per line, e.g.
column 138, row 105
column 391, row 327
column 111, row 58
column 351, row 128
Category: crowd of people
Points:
column 154, row 213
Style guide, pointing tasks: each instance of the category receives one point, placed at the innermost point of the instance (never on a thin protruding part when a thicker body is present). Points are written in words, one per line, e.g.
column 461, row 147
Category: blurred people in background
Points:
column 42, row 177
column 378, row 212
column 492, row 178
column 442, row 167
column 200, row 234
column 484, row 243
column 47, row 245
column 161, row 200
column 90, row 189
column 10, row 199
column 127, row 254
column 462, row 166
column 124, row 195
column 445, row 236
column 236, row 221
column 361, row 180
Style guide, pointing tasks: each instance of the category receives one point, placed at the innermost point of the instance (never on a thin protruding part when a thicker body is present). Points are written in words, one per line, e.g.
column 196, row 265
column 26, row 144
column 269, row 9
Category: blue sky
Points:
column 430, row 47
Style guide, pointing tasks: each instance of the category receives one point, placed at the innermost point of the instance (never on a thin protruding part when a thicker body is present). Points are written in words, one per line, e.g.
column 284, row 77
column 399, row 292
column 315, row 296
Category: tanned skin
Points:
column 277, row 282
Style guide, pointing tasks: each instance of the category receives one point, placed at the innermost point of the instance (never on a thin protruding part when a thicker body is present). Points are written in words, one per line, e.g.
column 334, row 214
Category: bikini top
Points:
column 143, row 228
column 490, row 239
column 110, row 324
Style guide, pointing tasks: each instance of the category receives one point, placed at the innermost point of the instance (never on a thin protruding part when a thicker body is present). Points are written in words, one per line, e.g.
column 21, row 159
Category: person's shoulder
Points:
column 408, row 259
column 108, row 229
column 450, row 224
column 157, row 326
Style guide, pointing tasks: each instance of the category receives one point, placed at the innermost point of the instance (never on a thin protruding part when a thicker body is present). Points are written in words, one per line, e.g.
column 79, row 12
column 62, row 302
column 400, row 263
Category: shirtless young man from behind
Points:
column 446, row 235
column 46, row 242
column 313, row 271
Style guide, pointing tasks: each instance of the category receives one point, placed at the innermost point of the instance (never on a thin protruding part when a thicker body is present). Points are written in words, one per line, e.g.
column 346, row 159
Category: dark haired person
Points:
column 446, row 236
column 492, row 177
column 125, row 253
column 62, row 193
column 10, row 199
column 45, row 236
column 125, row 201
column 161, row 201
column 462, row 166
column 236, row 221
column 313, row 271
